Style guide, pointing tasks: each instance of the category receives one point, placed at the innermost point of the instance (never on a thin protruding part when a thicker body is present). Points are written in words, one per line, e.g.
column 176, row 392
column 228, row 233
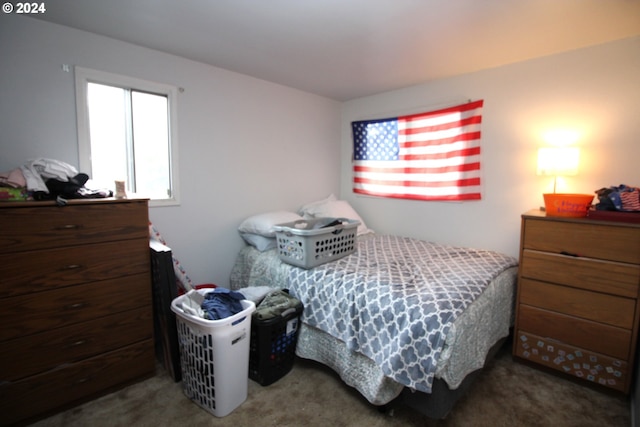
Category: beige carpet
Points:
column 506, row 394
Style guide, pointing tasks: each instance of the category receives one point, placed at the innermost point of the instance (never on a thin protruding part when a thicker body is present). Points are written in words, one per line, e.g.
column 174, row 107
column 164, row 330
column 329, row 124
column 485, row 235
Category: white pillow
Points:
column 316, row 204
column 259, row 242
column 262, row 224
column 334, row 209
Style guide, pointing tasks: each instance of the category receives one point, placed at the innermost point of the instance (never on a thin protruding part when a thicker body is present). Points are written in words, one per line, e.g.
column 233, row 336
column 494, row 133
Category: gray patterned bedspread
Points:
column 419, row 287
column 396, row 299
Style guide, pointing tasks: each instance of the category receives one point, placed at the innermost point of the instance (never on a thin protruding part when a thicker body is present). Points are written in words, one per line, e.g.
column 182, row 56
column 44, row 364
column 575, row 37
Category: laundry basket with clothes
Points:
column 214, row 354
column 274, row 336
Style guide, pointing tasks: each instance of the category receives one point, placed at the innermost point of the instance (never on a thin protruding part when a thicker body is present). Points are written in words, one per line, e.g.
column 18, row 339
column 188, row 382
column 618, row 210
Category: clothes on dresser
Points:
column 48, row 179
column 620, row 198
column 13, row 178
column 37, row 171
column 13, row 186
column 630, row 200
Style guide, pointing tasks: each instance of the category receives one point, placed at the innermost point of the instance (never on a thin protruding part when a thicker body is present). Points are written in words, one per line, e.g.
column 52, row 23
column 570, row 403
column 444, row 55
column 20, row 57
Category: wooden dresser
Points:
column 578, row 308
column 75, row 303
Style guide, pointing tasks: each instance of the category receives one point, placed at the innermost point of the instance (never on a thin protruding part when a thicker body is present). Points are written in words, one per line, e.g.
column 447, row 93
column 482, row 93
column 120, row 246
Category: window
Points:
column 127, row 132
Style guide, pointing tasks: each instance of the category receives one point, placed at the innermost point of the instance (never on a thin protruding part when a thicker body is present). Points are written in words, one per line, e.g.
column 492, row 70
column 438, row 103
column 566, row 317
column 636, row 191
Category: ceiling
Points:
column 346, row 49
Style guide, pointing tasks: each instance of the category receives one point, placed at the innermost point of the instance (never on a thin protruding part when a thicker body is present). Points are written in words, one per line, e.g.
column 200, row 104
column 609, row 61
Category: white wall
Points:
column 595, row 91
column 248, row 146
column 245, row 145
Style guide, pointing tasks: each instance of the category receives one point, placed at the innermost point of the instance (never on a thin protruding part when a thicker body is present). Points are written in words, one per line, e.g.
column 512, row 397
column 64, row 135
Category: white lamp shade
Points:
column 558, row 161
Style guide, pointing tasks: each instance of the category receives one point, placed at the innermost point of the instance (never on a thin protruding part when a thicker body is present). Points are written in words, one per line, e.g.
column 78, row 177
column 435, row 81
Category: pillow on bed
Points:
column 262, row 224
column 259, row 242
column 334, row 209
column 315, row 205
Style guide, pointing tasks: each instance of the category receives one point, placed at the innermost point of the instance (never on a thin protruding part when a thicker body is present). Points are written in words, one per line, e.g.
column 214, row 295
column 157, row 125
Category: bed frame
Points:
column 442, row 399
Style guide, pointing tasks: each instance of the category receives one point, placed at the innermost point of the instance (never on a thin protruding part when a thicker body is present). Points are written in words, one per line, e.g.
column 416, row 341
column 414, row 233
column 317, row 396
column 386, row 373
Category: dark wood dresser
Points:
column 578, row 297
column 75, row 303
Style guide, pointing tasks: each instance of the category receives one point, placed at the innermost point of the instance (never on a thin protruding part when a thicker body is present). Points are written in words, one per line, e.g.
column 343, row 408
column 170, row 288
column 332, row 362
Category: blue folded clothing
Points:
column 221, row 303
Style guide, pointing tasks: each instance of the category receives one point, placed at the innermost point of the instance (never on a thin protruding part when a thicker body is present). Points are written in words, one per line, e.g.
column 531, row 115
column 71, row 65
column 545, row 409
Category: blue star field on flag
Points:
column 376, row 140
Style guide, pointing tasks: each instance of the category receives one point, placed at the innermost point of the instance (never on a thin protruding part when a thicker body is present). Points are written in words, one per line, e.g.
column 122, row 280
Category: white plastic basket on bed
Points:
column 311, row 242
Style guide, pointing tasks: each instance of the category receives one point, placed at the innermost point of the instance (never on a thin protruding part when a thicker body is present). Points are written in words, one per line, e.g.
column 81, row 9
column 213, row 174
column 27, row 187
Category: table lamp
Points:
column 562, row 161
column 558, row 161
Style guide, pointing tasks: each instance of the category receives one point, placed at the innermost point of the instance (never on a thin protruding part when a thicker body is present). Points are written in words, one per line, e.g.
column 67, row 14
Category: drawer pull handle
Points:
column 72, row 267
column 82, row 380
column 569, row 254
column 76, row 305
column 68, row 227
column 77, row 343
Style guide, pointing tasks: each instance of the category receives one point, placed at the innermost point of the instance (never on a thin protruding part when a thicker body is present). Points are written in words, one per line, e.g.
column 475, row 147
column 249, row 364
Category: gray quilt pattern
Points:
column 395, row 300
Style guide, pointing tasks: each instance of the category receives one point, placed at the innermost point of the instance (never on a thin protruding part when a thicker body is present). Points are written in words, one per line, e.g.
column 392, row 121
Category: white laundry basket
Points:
column 214, row 357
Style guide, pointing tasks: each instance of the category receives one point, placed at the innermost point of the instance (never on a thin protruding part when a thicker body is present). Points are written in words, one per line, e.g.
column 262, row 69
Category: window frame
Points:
column 84, row 76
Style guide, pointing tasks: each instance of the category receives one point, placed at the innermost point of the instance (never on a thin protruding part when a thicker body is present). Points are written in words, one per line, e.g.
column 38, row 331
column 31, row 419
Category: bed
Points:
column 400, row 318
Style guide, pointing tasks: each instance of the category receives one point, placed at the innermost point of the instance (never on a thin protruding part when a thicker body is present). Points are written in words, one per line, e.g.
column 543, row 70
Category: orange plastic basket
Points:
column 568, row 205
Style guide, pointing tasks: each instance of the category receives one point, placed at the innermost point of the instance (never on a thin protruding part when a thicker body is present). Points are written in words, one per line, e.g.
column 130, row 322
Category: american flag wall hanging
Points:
column 427, row 156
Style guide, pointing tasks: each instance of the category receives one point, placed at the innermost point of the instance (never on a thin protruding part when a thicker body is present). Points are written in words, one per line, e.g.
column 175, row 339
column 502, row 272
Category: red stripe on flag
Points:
column 408, row 183
column 415, row 170
column 453, row 198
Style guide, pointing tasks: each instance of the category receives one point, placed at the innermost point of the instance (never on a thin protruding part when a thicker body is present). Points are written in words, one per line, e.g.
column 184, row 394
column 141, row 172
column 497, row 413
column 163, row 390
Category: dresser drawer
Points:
column 50, row 349
column 74, row 383
column 29, row 228
column 603, row 308
column 596, row 337
column 584, row 364
column 601, row 241
column 586, row 273
column 31, row 272
column 28, row 314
